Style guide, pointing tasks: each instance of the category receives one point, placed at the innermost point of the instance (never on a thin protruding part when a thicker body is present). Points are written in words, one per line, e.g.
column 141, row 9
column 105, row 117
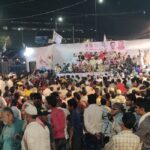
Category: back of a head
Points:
column 8, row 110
column 32, row 96
column 118, row 106
column 77, row 96
column 131, row 97
column 92, row 99
column 17, row 95
column 103, row 101
column 73, row 103
column 63, row 105
column 129, row 120
column 140, row 102
column 147, row 107
column 118, row 80
column 55, row 94
column 37, row 96
column 52, row 100
column 14, row 102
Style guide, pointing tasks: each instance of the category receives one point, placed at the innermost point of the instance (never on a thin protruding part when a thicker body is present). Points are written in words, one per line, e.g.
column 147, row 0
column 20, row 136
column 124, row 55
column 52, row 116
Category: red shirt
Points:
column 121, row 87
column 58, row 122
column 101, row 55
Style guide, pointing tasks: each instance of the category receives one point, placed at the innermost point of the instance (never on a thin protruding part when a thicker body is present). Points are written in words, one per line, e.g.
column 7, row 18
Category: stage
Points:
column 84, row 74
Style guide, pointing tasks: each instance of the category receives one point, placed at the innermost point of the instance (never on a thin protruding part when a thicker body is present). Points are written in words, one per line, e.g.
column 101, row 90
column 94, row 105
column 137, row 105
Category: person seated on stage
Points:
column 95, row 54
column 102, row 55
column 63, row 67
column 70, row 68
column 75, row 68
column 84, row 65
column 93, row 63
column 129, row 60
column 80, row 56
column 57, row 68
column 74, row 59
column 87, row 56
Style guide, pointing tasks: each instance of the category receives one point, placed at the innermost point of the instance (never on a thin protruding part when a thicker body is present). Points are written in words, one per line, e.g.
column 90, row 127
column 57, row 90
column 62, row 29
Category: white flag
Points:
column 5, row 44
column 105, row 42
column 104, row 39
column 57, row 38
column 4, row 47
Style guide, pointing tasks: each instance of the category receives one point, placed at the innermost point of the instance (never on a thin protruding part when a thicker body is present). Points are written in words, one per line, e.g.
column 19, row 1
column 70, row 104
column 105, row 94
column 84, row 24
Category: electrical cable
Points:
column 45, row 13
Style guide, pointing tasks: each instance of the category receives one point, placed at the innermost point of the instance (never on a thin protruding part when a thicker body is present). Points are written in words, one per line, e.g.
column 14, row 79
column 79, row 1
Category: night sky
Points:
column 118, row 19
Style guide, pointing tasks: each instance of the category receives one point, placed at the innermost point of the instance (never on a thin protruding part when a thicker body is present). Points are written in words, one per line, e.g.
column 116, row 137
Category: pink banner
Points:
column 108, row 46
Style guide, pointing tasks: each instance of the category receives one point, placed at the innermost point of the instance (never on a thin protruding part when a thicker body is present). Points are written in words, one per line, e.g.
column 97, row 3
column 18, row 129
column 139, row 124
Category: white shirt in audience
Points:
column 93, row 119
column 36, row 137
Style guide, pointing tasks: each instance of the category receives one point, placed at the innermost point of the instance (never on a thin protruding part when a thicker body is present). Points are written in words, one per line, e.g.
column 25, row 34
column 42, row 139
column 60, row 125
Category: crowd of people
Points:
column 102, row 61
column 44, row 112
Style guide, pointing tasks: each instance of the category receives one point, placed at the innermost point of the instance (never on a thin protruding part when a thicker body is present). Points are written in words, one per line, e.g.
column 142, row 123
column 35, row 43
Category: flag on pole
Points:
column 105, row 39
column 57, row 38
column 105, row 42
column 4, row 47
column 5, row 44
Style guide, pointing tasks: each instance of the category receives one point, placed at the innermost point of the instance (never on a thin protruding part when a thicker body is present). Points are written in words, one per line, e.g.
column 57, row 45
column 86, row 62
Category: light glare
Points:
column 60, row 19
column 28, row 52
column 101, row 1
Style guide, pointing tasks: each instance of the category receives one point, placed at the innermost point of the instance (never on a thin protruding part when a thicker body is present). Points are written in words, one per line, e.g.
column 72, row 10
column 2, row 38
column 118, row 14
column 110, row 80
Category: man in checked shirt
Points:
column 125, row 140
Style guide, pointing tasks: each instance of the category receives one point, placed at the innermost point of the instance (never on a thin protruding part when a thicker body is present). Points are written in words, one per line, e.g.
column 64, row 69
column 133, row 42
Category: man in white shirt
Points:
column 36, row 136
column 2, row 85
column 2, row 101
column 93, row 124
column 10, row 83
column 47, row 91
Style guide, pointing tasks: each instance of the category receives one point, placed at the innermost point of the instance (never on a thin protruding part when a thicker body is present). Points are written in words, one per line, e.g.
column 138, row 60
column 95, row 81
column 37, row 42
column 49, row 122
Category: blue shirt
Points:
column 8, row 140
column 75, row 122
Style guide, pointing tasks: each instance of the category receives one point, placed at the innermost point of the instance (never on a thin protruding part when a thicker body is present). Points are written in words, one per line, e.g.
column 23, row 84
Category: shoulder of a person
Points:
column 33, row 127
column 58, row 111
column 145, row 123
column 17, row 121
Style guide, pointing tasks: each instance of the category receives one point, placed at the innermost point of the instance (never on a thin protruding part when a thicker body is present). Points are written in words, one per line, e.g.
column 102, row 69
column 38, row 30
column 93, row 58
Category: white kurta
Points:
column 36, row 137
column 10, row 83
column 2, row 86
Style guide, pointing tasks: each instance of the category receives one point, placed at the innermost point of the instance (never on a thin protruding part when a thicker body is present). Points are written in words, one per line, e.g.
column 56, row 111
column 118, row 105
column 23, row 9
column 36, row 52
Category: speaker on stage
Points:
column 32, row 66
column 4, row 67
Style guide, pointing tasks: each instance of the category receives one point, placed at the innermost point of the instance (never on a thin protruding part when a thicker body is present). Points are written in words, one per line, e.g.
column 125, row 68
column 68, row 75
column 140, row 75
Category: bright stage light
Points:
column 28, row 52
column 101, row 1
column 60, row 19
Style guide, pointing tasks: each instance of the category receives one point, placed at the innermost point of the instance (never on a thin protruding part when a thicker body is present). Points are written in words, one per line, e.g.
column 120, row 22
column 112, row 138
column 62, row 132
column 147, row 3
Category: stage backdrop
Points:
column 47, row 57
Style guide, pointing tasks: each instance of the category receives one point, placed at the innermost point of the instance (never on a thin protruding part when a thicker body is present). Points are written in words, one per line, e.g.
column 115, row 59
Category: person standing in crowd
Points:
column 93, row 124
column 36, row 135
column 75, row 124
column 10, row 82
column 1, row 122
column 16, row 111
column 10, row 138
column 125, row 140
column 143, row 131
column 37, row 100
column 58, row 123
column 117, row 113
column 120, row 98
column 130, row 101
column 2, row 85
column 120, row 86
column 42, row 118
column 2, row 101
column 107, row 124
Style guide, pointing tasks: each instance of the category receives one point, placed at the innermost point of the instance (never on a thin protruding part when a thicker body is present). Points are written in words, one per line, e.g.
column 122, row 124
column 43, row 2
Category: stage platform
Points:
column 84, row 74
